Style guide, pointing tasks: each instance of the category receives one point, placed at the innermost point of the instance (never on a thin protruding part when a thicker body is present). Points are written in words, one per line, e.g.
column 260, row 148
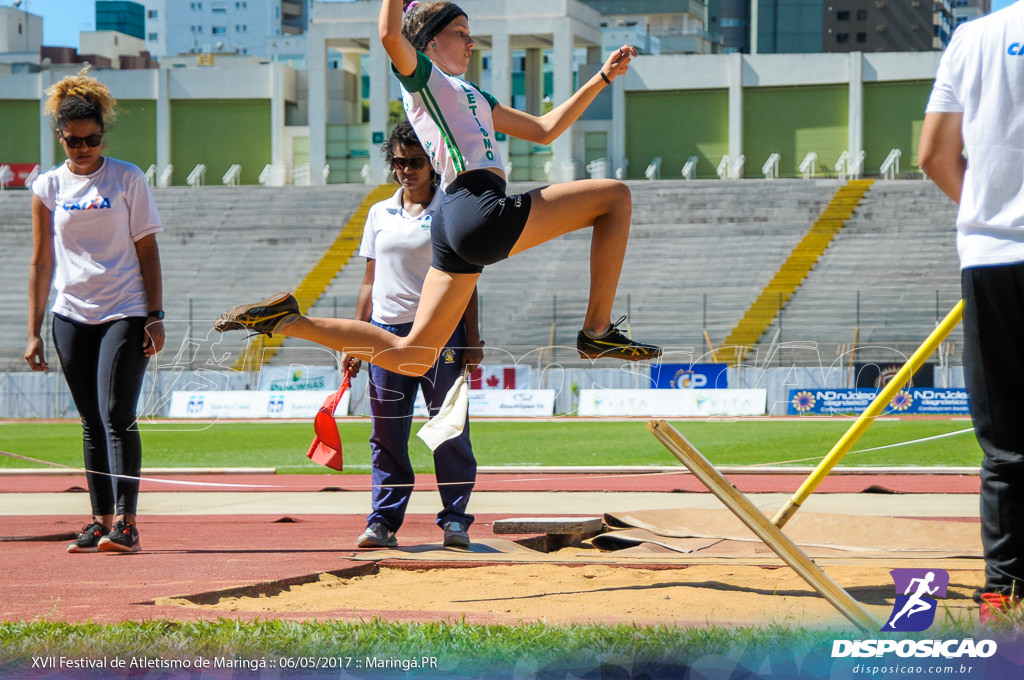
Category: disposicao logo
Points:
column 914, row 609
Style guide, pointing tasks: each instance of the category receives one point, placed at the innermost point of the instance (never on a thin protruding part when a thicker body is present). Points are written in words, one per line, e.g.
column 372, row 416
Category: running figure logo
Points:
column 914, row 610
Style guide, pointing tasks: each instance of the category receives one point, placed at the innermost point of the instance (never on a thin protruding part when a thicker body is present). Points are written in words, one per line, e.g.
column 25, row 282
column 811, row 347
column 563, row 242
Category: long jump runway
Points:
column 282, row 546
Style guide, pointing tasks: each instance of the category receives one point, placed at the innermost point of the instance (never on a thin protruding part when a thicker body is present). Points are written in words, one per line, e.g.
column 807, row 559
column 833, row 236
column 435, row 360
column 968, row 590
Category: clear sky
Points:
column 63, row 19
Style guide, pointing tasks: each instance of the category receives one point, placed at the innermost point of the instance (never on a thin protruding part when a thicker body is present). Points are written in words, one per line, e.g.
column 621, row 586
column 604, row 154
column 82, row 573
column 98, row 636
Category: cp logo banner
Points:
column 914, row 609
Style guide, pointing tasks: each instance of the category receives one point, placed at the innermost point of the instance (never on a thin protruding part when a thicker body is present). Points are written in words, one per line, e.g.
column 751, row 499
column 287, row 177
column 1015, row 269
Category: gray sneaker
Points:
column 377, row 536
column 455, row 535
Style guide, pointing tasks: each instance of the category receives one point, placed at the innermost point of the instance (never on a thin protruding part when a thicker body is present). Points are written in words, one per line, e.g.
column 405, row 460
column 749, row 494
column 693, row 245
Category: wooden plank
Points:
column 547, row 525
column 757, row 522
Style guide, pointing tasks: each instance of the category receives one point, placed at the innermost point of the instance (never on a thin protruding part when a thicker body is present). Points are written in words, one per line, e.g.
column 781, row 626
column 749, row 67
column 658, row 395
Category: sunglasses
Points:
column 413, row 162
column 76, row 142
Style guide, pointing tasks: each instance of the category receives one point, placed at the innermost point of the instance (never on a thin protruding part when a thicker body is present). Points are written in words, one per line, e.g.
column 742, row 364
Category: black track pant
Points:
column 104, row 365
column 994, row 372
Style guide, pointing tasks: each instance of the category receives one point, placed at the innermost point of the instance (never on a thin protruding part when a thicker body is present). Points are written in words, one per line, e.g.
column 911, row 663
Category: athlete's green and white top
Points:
column 452, row 119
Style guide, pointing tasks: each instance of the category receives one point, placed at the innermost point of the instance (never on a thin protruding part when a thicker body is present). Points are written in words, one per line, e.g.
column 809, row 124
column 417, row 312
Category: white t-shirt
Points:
column 400, row 244
column 981, row 75
column 97, row 219
column 452, row 119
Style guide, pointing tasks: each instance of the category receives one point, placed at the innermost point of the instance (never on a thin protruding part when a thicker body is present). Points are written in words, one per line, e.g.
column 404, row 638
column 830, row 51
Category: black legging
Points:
column 994, row 372
column 104, row 365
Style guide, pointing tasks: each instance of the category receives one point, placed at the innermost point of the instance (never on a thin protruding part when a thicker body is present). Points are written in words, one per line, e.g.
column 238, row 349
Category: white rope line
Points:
column 422, row 485
column 874, row 448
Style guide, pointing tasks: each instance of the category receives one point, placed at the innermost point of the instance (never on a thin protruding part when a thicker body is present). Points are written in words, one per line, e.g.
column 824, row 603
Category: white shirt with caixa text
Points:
column 97, row 219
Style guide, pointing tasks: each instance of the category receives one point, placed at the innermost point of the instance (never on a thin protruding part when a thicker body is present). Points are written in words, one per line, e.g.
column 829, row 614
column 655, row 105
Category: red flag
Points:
column 326, row 446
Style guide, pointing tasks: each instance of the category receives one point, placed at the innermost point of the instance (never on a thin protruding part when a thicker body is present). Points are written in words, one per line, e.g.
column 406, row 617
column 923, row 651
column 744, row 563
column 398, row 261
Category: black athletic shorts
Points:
column 477, row 224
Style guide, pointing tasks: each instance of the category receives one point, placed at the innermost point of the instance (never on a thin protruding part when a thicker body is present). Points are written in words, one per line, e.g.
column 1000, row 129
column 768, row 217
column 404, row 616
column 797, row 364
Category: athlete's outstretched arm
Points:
column 546, row 128
column 389, row 27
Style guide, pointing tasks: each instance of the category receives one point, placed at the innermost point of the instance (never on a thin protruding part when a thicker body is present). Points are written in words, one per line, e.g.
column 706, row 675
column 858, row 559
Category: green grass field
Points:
column 571, row 442
column 530, row 650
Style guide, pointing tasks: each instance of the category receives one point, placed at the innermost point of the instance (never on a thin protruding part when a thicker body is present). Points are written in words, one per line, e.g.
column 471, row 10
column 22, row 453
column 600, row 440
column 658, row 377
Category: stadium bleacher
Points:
column 699, row 253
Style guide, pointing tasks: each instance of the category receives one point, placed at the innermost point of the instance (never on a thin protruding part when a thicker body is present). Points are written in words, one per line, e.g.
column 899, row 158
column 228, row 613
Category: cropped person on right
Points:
column 972, row 143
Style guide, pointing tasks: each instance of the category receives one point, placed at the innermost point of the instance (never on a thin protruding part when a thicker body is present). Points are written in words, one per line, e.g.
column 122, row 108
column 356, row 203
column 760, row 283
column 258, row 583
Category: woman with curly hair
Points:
column 478, row 224
column 94, row 227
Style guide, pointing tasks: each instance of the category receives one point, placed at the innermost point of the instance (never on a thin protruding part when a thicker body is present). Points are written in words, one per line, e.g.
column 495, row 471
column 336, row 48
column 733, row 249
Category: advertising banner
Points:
column 512, row 377
column 299, row 378
column 251, row 404
column 878, row 374
column 21, row 172
column 672, row 403
column 502, row 403
column 690, row 376
column 909, row 401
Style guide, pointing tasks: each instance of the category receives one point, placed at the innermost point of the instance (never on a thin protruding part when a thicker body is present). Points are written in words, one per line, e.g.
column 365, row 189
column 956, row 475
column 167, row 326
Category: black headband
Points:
column 434, row 24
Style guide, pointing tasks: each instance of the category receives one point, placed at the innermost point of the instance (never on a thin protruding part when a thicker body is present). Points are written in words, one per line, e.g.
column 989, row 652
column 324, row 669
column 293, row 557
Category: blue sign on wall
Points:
column 690, row 376
column 908, row 401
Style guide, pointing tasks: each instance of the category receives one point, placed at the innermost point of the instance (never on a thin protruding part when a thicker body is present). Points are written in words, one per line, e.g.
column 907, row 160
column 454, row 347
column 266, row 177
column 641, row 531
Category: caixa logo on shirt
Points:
column 1016, row 49
column 98, row 203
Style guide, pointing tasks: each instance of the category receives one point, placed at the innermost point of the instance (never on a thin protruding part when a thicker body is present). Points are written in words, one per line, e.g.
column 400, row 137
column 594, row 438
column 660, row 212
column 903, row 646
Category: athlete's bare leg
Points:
column 442, row 303
column 605, row 204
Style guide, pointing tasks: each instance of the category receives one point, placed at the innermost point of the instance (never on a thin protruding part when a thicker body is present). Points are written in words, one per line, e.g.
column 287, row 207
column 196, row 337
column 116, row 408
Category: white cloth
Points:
column 400, row 245
column 450, row 420
column 452, row 119
column 981, row 75
column 97, row 219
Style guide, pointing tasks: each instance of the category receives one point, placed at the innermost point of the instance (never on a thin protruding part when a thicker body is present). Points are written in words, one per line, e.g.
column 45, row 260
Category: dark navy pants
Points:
column 104, row 365
column 391, row 403
column 994, row 371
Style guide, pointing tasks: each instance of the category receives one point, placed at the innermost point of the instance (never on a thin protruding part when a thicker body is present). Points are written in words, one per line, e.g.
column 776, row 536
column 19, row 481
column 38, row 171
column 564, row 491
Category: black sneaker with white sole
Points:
column 613, row 344
column 124, row 537
column 265, row 316
column 89, row 539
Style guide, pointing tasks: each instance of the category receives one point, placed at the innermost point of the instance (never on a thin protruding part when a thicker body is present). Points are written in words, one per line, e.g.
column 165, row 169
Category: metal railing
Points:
column 166, row 177
column 770, row 169
column 598, row 168
column 856, row 168
column 807, row 165
column 197, row 176
column 736, row 169
column 891, row 165
column 842, row 166
column 233, row 177
column 723, row 167
column 151, row 175
column 653, row 170
column 689, row 170
column 302, row 175
column 31, row 176
column 6, row 176
column 272, row 174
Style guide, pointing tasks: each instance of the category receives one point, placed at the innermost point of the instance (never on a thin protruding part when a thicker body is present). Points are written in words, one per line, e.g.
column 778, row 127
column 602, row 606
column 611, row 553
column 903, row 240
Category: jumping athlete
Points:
column 478, row 224
column 396, row 245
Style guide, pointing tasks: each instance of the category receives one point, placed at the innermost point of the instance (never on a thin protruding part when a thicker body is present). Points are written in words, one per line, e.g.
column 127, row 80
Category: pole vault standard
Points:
column 757, row 522
column 873, row 410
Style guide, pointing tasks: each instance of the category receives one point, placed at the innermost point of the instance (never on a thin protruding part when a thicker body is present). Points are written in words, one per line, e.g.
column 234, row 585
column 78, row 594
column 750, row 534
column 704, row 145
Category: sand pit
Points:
column 726, row 593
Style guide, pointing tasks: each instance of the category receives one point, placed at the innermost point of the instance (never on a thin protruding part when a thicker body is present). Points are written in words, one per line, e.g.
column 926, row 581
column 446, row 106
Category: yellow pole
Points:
column 711, row 347
column 875, row 408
